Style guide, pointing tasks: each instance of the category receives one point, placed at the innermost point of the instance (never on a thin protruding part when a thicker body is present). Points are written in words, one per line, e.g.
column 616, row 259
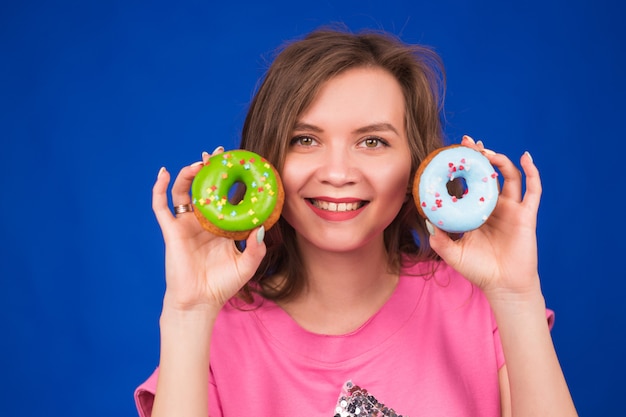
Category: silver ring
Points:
column 183, row 208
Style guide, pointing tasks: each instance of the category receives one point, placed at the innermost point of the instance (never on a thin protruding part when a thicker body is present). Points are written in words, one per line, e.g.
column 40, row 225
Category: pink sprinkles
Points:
column 452, row 168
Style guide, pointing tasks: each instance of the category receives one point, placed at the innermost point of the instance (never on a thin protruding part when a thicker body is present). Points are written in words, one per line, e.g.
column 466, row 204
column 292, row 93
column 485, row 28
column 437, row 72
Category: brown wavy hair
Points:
column 288, row 88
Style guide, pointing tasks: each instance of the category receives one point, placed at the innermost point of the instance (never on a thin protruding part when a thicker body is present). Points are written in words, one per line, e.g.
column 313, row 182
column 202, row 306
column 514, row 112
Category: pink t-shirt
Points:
column 432, row 350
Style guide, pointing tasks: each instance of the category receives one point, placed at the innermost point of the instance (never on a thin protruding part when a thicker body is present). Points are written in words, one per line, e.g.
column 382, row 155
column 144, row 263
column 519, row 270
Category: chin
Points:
column 344, row 242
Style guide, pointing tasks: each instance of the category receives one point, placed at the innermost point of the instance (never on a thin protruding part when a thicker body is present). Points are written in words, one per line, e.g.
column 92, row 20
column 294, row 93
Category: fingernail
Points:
column 195, row 164
column 488, row 151
column 480, row 143
column 430, row 228
column 219, row 149
column 205, row 155
column 529, row 156
column 161, row 171
column 260, row 235
column 469, row 139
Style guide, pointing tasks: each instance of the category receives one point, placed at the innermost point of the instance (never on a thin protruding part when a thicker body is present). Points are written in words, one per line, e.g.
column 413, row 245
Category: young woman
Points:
column 351, row 304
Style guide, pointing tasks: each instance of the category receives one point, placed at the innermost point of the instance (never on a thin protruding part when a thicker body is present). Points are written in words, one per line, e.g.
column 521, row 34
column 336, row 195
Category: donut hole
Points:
column 457, row 187
column 236, row 193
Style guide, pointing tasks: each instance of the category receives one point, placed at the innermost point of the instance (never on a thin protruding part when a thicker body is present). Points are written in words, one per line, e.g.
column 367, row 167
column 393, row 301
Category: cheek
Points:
column 293, row 179
column 395, row 182
column 290, row 176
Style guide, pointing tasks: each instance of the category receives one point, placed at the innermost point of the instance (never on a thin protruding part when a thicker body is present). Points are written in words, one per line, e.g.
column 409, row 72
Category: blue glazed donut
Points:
column 456, row 212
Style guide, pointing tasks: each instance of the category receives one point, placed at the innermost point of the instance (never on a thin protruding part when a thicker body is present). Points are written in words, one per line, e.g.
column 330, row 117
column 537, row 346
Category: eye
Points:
column 303, row 141
column 373, row 142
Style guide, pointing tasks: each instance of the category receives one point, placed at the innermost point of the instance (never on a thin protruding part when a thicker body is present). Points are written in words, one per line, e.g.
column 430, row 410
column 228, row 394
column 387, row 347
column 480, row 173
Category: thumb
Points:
column 253, row 254
column 443, row 245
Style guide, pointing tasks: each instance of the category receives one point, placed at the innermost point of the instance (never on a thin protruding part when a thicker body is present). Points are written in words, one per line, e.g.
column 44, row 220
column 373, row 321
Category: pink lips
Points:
column 334, row 209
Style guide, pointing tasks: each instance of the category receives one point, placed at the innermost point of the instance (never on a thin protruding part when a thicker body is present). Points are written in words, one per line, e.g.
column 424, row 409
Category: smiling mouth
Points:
column 337, row 207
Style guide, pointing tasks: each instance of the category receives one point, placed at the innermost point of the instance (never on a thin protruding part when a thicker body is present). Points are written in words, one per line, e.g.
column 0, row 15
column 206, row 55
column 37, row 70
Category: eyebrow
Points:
column 377, row 127
column 308, row 127
column 374, row 127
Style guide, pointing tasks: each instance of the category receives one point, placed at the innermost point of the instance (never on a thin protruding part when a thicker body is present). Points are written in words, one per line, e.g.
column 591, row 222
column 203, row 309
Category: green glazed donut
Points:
column 260, row 205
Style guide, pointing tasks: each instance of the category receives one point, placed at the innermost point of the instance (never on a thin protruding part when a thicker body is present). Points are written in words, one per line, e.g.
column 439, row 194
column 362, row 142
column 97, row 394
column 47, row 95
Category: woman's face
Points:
column 347, row 168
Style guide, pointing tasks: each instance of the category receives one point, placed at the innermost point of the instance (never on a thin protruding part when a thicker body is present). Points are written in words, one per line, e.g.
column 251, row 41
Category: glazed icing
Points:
column 211, row 186
column 470, row 211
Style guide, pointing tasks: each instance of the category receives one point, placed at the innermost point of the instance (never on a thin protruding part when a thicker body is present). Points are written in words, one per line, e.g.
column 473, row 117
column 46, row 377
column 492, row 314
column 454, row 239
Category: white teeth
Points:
column 339, row 207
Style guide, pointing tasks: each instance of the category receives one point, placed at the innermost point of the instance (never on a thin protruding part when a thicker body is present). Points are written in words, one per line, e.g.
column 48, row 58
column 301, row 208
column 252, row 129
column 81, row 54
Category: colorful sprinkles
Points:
column 213, row 185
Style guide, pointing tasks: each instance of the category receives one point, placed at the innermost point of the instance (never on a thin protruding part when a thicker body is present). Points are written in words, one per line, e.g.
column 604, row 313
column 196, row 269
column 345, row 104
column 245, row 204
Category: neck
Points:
column 343, row 290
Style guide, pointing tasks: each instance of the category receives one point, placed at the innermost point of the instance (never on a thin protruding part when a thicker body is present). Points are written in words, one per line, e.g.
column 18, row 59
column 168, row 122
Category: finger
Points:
column 478, row 146
column 218, row 150
column 512, row 184
column 182, row 184
column 470, row 143
column 533, row 181
column 159, row 199
column 467, row 140
column 206, row 156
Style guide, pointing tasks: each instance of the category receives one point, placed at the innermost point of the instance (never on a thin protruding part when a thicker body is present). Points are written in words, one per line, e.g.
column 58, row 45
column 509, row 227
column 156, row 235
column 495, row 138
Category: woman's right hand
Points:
column 202, row 270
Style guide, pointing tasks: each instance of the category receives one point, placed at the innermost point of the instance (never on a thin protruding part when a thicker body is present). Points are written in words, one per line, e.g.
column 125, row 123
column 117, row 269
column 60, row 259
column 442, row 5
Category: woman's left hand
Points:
column 501, row 256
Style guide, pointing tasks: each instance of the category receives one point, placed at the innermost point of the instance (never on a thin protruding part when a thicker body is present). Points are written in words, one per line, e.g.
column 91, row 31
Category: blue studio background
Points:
column 95, row 96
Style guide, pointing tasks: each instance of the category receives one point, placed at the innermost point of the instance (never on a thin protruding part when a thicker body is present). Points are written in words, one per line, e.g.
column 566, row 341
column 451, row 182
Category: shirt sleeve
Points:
column 497, row 343
column 550, row 318
column 144, row 395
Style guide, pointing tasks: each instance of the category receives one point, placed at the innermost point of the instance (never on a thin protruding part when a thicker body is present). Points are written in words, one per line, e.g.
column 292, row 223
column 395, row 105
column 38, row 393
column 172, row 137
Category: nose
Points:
column 339, row 168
